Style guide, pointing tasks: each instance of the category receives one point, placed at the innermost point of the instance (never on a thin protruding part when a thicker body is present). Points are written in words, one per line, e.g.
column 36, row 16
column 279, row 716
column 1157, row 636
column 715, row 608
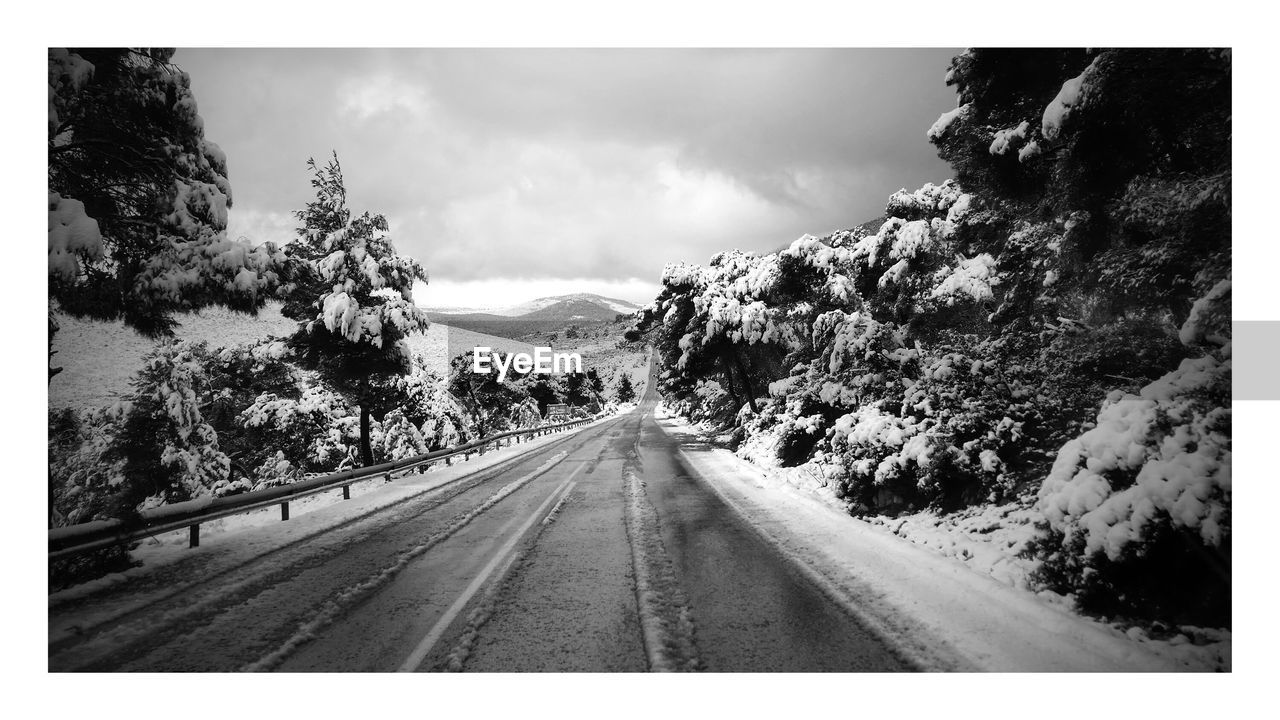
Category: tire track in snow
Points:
column 665, row 618
column 504, row 559
column 353, row 594
column 461, row 651
column 455, row 660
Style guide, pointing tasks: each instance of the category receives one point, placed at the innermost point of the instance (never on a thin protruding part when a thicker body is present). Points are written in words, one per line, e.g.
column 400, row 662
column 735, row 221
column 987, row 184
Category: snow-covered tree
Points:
column 1126, row 151
column 624, row 391
column 168, row 453
column 489, row 403
column 427, row 404
column 357, row 306
column 957, row 351
column 83, row 483
column 400, row 438
column 525, row 414
column 138, row 198
column 737, row 320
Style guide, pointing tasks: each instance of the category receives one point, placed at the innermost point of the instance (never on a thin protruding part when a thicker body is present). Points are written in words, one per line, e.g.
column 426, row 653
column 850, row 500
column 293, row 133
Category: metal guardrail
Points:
column 74, row 539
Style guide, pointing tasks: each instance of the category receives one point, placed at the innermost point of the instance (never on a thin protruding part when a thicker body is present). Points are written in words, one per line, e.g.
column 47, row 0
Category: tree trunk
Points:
column 746, row 383
column 728, row 377
column 478, row 415
column 366, row 449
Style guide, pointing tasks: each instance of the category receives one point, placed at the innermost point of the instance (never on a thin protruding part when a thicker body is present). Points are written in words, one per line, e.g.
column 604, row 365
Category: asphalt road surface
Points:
column 598, row 552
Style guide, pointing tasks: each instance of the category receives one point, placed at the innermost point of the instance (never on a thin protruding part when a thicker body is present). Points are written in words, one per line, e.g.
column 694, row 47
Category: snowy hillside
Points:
column 99, row 358
column 539, row 304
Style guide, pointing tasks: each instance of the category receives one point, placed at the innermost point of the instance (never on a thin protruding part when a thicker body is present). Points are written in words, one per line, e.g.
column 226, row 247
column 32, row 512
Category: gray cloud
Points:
column 599, row 164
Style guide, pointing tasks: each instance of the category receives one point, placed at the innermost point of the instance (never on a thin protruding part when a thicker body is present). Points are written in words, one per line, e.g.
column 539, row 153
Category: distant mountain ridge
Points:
column 538, row 315
column 574, row 306
column 573, row 300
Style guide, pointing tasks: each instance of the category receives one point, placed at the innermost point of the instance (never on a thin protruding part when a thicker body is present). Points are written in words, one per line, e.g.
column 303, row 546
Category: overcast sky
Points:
column 513, row 174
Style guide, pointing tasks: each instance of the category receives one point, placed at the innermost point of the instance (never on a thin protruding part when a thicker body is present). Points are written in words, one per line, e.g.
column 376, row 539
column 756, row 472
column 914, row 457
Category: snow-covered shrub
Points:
column 710, row 403
column 318, row 432
column 941, row 426
column 525, row 414
column 276, row 470
column 169, row 453
column 491, row 406
column 238, row 486
column 1210, row 319
column 238, row 376
column 338, row 446
column 1138, row 508
column 443, row 430
column 82, row 478
column 400, row 439
column 427, row 404
column 84, row 485
column 297, row 427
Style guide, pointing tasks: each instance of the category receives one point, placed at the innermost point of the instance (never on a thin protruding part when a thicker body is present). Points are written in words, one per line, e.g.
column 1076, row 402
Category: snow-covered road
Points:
column 629, row 545
column 597, row 551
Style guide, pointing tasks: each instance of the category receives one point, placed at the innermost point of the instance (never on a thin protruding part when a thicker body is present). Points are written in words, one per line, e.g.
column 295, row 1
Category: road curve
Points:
column 598, row 552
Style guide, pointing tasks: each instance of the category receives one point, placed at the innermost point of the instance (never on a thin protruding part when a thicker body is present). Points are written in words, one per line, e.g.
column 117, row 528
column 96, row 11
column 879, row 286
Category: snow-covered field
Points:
column 957, row 577
column 99, row 358
column 440, row 343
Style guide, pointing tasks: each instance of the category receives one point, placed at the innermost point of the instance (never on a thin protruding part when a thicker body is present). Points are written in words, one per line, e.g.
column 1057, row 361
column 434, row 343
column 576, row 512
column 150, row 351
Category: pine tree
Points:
column 625, row 391
column 356, row 303
column 138, row 198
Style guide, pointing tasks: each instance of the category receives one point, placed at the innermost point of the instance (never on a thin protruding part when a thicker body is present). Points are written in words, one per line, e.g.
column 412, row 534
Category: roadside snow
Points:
column 955, row 596
column 985, row 538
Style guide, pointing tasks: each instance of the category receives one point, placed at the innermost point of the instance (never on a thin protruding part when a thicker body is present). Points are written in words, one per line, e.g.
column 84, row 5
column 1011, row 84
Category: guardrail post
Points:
column 284, row 510
column 386, row 477
column 346, row 492
column 448, row 460
column 194, row 536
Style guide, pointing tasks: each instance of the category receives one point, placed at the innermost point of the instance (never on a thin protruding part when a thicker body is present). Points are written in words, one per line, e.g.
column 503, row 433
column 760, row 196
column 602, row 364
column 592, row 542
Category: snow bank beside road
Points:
column 944, row 614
